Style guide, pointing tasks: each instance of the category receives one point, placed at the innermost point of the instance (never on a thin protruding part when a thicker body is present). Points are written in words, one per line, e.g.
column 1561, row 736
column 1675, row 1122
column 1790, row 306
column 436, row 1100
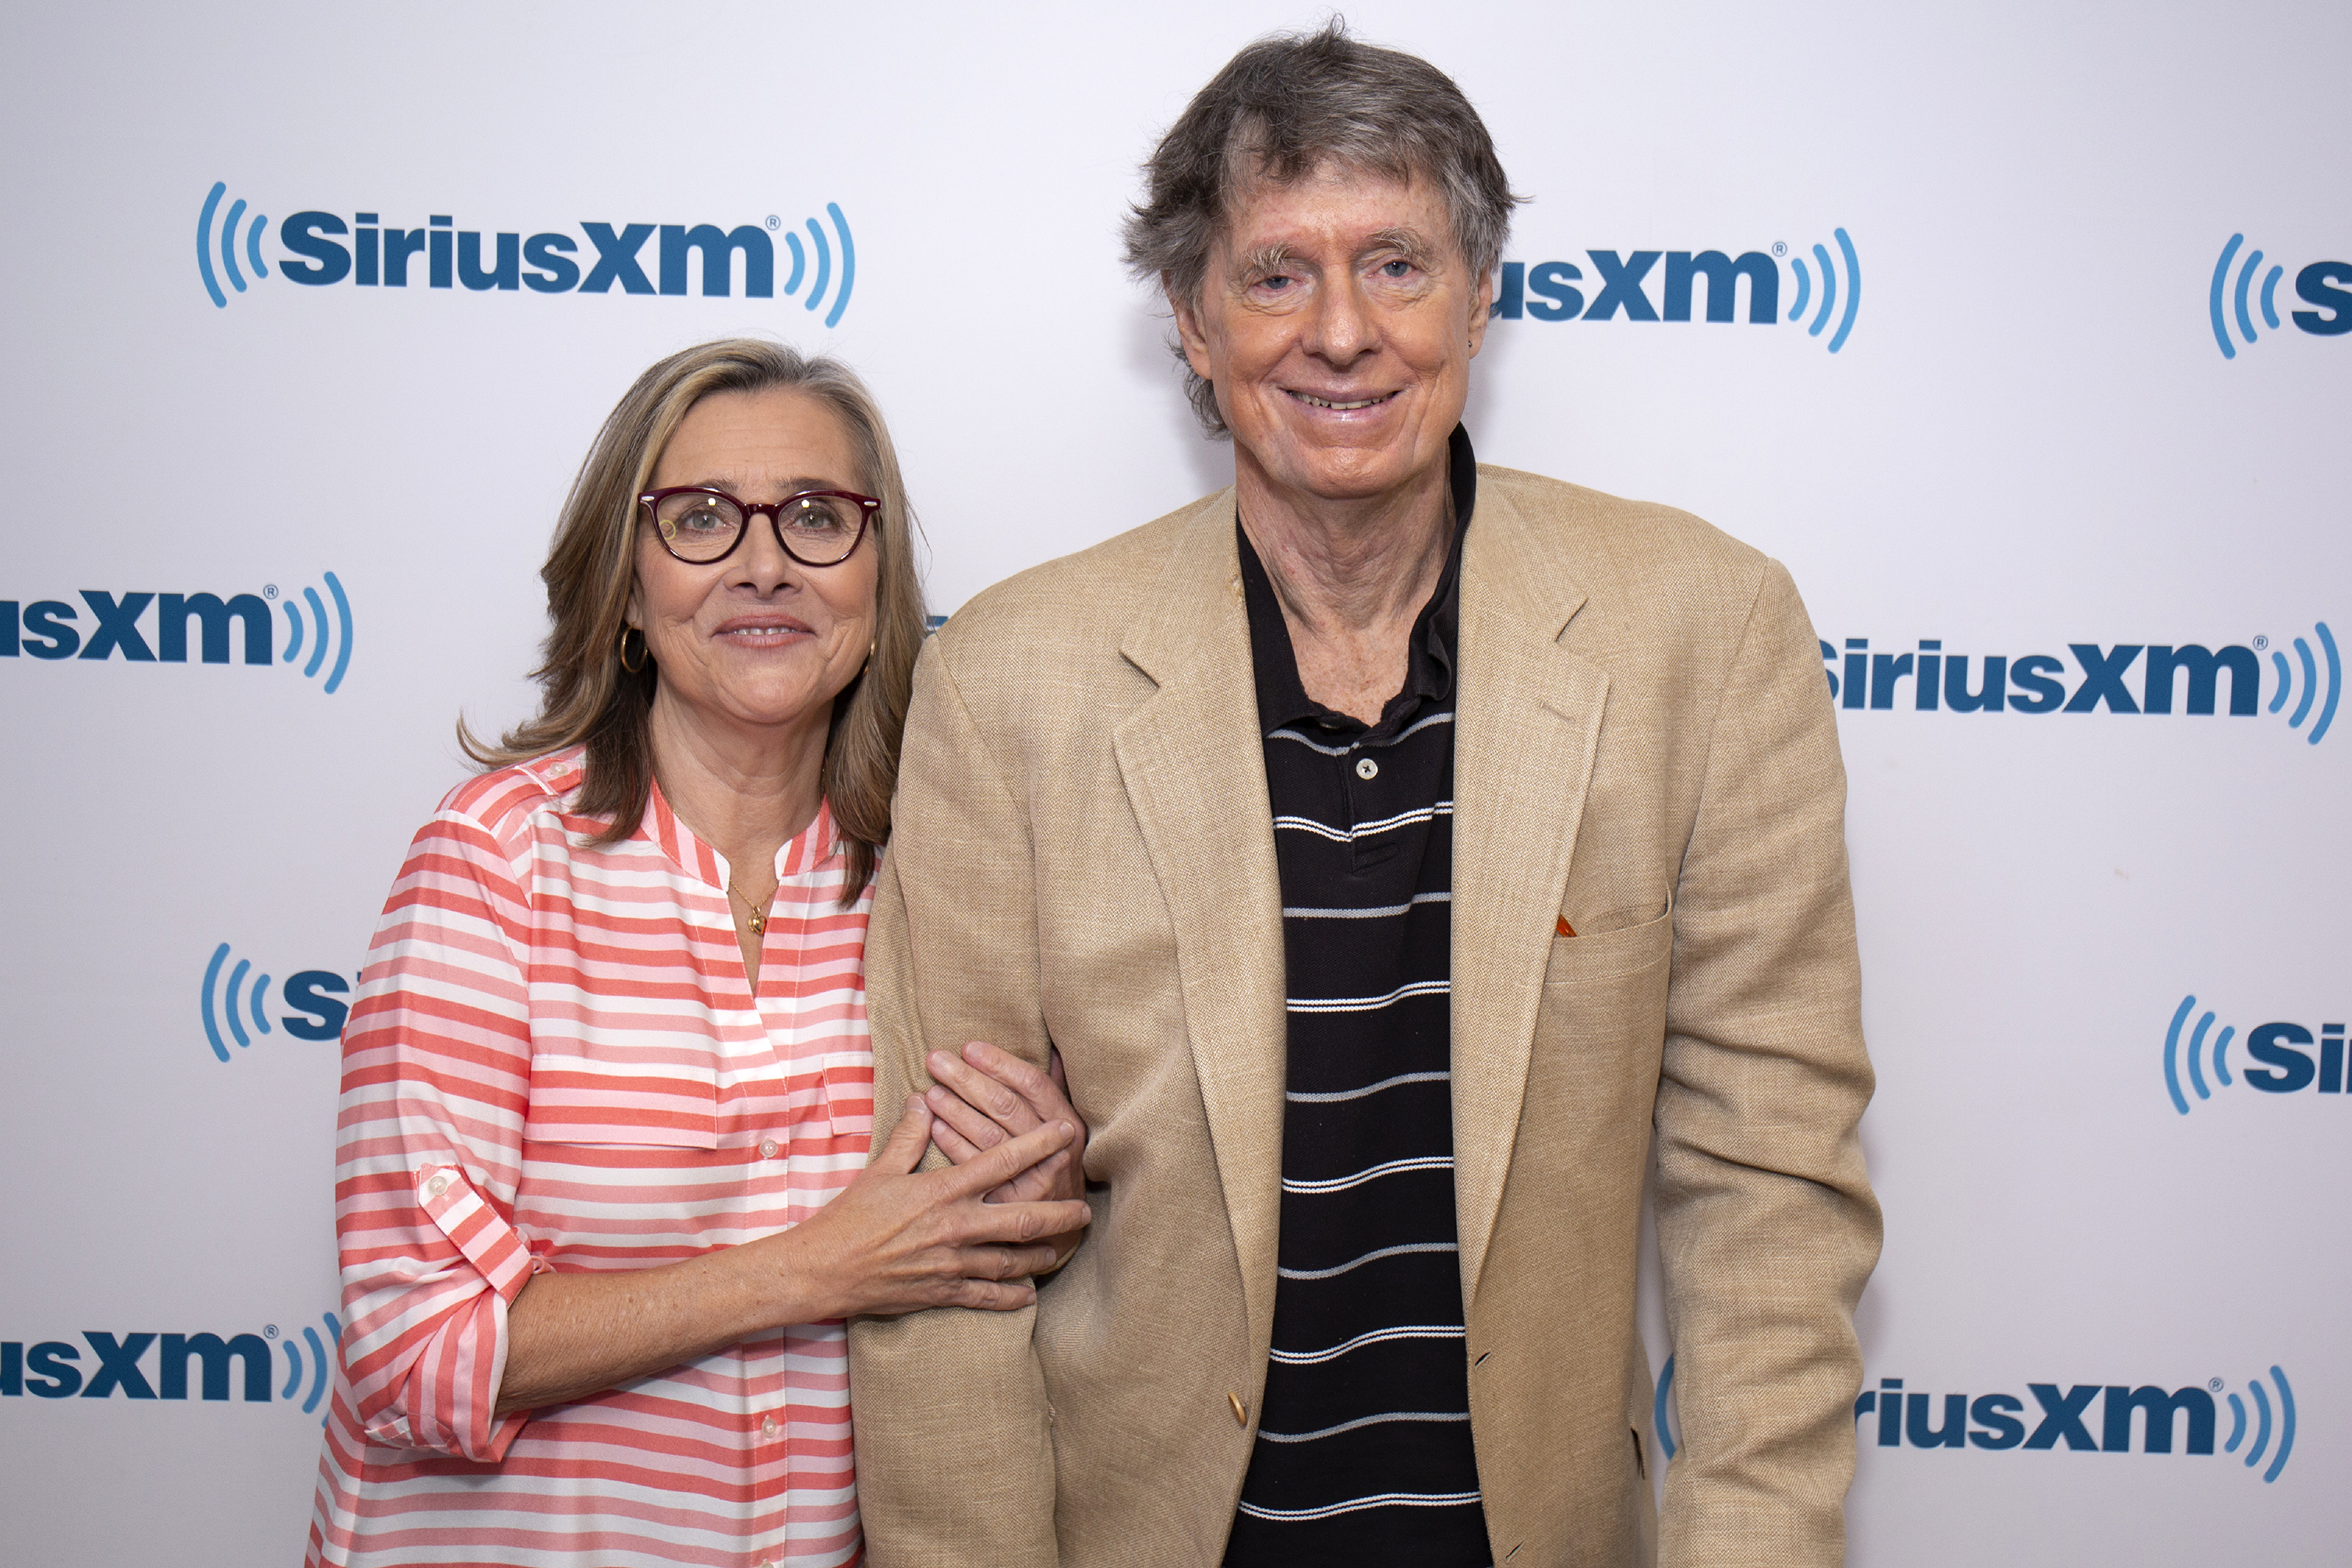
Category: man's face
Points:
column 1338, row 322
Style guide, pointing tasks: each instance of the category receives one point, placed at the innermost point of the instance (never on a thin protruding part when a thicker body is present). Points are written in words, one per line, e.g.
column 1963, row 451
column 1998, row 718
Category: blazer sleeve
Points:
column 955, row 1457
column 1767, row 1227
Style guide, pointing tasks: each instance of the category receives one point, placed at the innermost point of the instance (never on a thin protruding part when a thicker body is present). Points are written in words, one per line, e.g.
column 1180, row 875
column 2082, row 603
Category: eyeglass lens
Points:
column 819, row 530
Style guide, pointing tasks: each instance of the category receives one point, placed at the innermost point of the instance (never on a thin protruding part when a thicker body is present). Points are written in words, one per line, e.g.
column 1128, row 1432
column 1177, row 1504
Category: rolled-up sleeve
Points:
column 437, row 1078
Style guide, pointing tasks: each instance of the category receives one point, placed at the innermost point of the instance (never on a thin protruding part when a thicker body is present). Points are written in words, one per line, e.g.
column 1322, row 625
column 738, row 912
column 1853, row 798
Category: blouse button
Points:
column 768, row 1428
column 767, row 1148
column 437, row 1186
column 1367, row 769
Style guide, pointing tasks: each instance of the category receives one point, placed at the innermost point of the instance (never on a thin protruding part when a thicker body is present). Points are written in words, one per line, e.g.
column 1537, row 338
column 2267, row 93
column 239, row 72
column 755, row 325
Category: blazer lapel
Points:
column 1193, row 763
column 1527, row 719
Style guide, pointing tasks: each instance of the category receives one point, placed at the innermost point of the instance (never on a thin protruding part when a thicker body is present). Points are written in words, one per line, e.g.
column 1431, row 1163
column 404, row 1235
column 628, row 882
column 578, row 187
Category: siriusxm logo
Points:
column 46, row 629
column 226, row 1001
column 2281, row 1048
column 120, row 1363
column 317, row 249
column 1552, row 291
column 1991, row 1421
column 2186, row 673
column 2323, row 283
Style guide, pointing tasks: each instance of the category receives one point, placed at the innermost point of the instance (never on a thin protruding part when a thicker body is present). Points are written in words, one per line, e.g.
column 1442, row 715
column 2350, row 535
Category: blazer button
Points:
column 1240, row 1411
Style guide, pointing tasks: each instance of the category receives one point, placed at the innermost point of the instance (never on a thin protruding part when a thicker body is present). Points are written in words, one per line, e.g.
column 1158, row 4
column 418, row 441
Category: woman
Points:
column 603, row 1199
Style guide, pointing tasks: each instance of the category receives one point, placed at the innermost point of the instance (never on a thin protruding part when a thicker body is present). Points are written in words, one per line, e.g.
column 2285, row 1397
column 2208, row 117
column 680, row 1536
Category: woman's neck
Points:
column 745, row 794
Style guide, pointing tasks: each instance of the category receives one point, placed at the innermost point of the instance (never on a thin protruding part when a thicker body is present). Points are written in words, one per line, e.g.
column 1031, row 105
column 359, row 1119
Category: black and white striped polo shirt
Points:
column 1363, row 1452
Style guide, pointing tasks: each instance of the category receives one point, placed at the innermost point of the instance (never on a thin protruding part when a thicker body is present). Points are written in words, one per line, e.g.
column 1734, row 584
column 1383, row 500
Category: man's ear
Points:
column 1481, row 311
column 1188, row 331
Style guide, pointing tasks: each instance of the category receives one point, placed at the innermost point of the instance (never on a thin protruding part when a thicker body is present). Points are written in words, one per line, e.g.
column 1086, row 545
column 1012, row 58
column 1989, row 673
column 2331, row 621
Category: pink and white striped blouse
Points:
column 554, row 1063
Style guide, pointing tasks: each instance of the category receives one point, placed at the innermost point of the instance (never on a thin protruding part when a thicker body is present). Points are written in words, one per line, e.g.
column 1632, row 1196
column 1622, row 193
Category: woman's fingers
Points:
column 976, row 1127
column 904, row 1151
column 996, row 1166
column 1040, row 1093
column 960, row 1150
column 980, row 1079
column 1000, row 1225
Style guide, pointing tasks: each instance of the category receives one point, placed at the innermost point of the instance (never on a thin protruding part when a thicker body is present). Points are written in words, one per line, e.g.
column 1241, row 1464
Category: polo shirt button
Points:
column 1367, row 769
column 768, row 1428
column 767, row 1148
column 437, row 1186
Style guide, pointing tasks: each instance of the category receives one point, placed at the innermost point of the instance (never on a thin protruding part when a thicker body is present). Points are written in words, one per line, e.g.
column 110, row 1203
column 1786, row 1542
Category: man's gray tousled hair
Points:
column 1281, row 108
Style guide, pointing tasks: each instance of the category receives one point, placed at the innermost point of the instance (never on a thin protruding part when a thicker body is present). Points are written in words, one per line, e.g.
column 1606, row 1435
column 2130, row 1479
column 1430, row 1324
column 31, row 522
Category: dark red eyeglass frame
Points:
column 867, row 507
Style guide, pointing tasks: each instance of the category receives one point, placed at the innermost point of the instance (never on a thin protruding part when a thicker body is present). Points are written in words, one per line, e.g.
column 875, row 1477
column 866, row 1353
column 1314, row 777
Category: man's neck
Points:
column 1351, row 577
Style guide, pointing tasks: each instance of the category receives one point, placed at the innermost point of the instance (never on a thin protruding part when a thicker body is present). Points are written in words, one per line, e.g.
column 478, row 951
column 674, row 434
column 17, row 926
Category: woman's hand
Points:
column 989, row 1097
column 898, row 1240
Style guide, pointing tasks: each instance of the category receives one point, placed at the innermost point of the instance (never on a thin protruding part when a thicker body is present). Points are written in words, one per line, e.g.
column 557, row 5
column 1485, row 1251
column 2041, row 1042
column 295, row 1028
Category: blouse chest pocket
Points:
column 848, row 1080
column 638, row 1089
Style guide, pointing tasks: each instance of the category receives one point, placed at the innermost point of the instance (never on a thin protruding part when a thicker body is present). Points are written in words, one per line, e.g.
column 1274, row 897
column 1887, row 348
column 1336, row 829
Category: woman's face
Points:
column 757, row 642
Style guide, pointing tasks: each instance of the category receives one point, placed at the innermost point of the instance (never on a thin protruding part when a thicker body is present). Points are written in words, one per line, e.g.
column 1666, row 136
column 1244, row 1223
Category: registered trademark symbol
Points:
column 2261, row 643
column 269, row 590
column 1779, row 247
column 269, row 1331
column 774, row 222
column 2214, row 1384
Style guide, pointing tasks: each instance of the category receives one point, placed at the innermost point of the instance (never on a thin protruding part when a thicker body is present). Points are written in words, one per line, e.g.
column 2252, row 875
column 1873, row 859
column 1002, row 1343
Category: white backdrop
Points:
column 2028, row 437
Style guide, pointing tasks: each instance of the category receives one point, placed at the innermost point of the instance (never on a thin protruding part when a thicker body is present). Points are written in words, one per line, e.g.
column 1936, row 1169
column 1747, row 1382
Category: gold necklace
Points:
column 756, row 914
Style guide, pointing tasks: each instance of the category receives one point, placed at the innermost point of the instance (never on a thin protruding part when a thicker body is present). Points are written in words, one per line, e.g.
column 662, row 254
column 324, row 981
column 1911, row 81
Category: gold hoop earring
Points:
column 643, row 652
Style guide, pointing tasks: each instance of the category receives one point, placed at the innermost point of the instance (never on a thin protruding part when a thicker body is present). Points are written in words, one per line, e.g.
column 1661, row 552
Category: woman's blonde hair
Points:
column 590, row 698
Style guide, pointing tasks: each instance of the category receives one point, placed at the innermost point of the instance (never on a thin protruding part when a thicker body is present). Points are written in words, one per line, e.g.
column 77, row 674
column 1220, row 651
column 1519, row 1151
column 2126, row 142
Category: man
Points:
column 1388, row 845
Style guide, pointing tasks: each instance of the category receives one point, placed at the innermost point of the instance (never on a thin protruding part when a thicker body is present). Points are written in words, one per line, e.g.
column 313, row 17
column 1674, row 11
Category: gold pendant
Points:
column 758, row 925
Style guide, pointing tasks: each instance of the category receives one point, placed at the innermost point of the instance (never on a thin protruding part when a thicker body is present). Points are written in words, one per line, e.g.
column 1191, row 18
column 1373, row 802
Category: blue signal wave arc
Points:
column 1852, row 290
column 2172, row 1055
column 319, row 1378
column 2195, row 1046
column 212, row 978
column 1658, row 1409
column 2213, row 299
column 824, row 265
column 205, row 244
column 2286, row 680
column 318, row 614
column 2262, row 1423
column 2221, row 1055
column 253, row 247
column 237, row 1025
column 2310, row 685
column 800, row 262
column 2237, row 1424
column 2246, row 276
column 2286, row 1426
column 253, row 1002
column 343, row 622
column 2335, row 680
column 293, row 1369
column 1804, row 287
column 294, row 632
column 2269, row 297
column 1829, row 293
column 848, row 265
column 228, row 244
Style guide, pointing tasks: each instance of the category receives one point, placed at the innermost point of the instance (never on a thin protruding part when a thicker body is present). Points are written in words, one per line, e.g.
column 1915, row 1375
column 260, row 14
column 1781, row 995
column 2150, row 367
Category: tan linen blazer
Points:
column 1083, row 853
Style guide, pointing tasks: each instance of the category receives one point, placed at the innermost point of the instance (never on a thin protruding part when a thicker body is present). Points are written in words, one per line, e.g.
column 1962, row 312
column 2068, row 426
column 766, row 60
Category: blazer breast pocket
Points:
column 651, row 1091
column 1611, row 954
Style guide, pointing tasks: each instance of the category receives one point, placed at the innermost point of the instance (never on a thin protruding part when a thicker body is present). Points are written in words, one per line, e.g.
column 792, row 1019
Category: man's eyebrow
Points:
column 1410, row 243
column 1272, row 257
